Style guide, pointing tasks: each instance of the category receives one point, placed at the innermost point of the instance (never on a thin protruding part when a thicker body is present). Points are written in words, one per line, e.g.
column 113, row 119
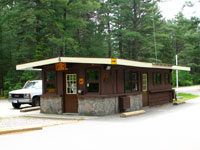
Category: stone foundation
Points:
column 135, row 102
column 95, row 106
column 106, row 106
column 51, row 104
column 98, row 106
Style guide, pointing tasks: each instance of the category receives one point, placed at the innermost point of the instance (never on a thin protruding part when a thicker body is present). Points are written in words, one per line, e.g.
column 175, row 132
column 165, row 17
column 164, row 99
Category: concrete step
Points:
column 133, row 113
column 30, row 109
column 178, row 102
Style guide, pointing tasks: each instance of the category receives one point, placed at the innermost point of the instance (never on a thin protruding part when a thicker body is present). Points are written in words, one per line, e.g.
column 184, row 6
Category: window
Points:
column 167, row 78
column 131, row 81
column 33, row 84
column 144, row 82
column 157, row 78
column 50, row 82
column 92, row 83
column 71, row 84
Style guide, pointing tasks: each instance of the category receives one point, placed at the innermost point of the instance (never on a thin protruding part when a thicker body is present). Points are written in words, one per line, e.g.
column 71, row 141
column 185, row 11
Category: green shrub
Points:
column 16, row 79
column 185, row 78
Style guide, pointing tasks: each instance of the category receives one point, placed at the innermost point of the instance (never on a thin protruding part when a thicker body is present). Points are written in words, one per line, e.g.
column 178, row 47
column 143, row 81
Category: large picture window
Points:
column 157, row 78
column 131, row 81
column 50, row 82
column 92, row 81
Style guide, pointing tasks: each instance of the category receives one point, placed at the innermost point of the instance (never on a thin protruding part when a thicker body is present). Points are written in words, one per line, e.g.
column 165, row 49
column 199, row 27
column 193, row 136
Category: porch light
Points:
column 107, row 67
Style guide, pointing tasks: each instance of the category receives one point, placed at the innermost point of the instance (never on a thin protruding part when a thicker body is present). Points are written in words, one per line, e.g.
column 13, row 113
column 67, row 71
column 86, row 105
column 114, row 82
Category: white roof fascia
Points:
column 133, row 63
column 82, row 60
column 149, row 65
column 107, row 61
column 30, row 66
column 181, row 68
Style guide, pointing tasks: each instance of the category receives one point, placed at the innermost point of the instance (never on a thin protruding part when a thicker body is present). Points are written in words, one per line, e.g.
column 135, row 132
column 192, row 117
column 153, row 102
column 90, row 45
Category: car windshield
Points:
column 36, row 85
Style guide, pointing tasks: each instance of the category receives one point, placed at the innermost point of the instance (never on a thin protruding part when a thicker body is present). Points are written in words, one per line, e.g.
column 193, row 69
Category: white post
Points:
column 177, row 72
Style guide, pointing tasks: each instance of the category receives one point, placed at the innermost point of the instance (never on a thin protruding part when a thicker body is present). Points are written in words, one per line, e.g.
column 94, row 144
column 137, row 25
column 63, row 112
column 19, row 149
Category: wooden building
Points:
column 102, row 86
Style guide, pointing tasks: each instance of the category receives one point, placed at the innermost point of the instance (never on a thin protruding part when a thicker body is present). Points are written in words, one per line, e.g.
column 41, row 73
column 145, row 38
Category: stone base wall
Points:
column 135, row 102
column 98, row 106
column 51, row 104
column 89, row 106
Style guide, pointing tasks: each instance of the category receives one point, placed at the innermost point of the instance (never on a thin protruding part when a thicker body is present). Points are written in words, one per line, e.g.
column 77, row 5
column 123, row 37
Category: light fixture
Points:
column 107, row 67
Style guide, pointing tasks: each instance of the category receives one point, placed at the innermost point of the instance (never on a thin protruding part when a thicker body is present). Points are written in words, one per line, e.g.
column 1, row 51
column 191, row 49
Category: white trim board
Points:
column 106, row 61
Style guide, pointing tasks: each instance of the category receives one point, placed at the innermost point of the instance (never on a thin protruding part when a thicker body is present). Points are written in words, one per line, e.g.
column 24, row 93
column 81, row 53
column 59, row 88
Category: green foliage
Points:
column 15, row 79
column 41, row 29
column 185, row 78
column 186, row 96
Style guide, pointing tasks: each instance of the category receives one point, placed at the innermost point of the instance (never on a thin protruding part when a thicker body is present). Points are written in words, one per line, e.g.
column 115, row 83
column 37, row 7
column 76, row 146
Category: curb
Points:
column 24, row 129
column 56, row 118
column 30, row 109
column 178, row 102
column 20, row 129
column 133, row 113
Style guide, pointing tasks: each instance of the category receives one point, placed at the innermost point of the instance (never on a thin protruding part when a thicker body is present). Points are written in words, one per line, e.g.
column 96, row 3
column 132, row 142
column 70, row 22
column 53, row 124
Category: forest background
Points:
column 40, row 29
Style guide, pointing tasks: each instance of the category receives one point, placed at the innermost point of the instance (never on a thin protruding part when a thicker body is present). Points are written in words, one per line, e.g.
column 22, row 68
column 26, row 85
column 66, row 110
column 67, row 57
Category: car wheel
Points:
column 36, row 101
column 16, row 105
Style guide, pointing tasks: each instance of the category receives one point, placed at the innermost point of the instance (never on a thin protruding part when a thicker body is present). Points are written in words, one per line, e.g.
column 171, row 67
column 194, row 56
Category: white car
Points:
column 29, row 94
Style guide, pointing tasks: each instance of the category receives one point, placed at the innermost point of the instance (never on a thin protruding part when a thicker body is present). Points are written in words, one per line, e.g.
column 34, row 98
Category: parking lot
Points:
column 6, row 109
column 13, row 118
column 165, row 127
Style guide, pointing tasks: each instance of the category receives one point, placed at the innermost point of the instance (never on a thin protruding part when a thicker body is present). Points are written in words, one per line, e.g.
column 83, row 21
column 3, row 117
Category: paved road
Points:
column 164, row 127
column 191, row 90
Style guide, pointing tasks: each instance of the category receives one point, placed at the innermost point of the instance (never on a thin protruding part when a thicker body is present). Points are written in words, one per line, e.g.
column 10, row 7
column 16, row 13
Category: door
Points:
column 71, row 99
column 145, row 89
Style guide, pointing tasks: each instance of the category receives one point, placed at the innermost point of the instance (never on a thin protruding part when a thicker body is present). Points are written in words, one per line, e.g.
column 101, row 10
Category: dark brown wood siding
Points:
column 159, row 98
column 115, row 83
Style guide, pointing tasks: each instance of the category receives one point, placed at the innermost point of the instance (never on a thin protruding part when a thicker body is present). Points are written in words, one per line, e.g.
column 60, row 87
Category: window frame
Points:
column 168, row 78
column 155, row 81
column 72, row 80
column 146, row 73
column 92, row 81
column 133, row 81
column 50, row 82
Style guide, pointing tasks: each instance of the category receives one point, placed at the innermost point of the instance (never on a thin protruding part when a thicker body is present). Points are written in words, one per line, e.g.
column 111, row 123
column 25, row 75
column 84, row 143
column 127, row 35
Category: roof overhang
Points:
column 106, row 61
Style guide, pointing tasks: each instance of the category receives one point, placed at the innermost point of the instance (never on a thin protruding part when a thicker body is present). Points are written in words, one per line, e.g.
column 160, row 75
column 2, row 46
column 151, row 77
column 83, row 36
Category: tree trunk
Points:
column 2, row 79
column 120, row 48
column 64, row 46
column 135, row 42
column 38, row 19
column 109, row 41
column 135, row 49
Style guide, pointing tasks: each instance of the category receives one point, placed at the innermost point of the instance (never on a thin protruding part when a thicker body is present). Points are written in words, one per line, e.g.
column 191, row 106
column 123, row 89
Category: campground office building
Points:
column 102, row 86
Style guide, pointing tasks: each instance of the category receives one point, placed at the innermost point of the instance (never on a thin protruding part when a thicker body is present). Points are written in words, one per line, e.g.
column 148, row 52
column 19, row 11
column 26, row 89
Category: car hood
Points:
column 25, row 91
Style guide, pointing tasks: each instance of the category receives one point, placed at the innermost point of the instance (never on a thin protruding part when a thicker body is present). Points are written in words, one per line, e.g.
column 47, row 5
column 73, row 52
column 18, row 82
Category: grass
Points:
column 186, row 96
column 2, row 98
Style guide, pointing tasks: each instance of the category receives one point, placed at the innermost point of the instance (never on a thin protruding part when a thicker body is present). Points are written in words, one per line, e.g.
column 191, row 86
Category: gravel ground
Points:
column 15, row 122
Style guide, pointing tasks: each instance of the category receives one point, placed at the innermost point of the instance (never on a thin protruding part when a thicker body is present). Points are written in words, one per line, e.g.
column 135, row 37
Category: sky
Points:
column 170, row 8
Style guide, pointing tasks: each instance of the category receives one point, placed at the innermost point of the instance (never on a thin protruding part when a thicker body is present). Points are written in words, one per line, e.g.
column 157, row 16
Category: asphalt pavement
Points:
column 165, row 127
column 11, row 118
column 6, row 110
column 190, row 90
